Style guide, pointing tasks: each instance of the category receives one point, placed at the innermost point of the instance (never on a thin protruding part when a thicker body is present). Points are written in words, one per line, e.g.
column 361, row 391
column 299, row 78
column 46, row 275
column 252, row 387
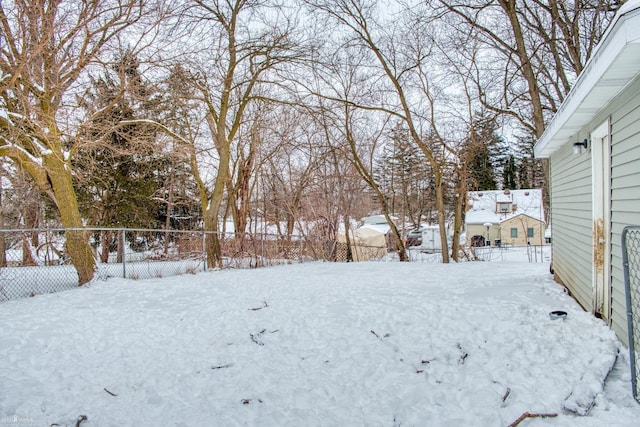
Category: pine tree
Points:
column 481, row 169
column 509, row 174
column 483, row 151
column 404, row 177
column 530, row 172
column 119, row 173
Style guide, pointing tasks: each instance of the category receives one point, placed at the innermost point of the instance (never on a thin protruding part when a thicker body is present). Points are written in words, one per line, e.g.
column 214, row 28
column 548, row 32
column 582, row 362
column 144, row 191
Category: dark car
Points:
column 477, row 241
column 414, row 238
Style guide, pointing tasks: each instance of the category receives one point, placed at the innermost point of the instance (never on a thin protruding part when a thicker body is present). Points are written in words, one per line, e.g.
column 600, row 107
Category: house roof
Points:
column 376, row 228
column 377, row 219
column 611, row 68
column 512, row 217
column 481, row 205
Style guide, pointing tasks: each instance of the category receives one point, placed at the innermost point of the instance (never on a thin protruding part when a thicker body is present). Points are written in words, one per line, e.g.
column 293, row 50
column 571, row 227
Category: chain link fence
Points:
column 533, row 253
column 631, row 267
column 35, row 261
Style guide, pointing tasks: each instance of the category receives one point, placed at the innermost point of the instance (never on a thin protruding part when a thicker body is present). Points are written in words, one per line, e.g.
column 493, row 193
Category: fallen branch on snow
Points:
column 530, row 415
column 79, row 421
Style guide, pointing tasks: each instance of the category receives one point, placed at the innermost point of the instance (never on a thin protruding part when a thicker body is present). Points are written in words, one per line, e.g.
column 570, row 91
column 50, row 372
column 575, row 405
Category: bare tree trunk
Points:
column 59, row 173
column 121, row 236
column 240, row 199
column 526, row 66
column 106, row 239
column 212, row 210
column 347, row 231
column 441, row 217
column 460, row 203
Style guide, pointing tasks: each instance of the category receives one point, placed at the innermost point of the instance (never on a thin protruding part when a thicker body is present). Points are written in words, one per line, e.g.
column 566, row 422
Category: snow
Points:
column 318, row 344
column 4, row 114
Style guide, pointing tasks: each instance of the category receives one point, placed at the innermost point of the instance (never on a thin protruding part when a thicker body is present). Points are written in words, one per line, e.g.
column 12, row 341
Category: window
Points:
column 514, row 232
column 530, row 232
column 504, row 207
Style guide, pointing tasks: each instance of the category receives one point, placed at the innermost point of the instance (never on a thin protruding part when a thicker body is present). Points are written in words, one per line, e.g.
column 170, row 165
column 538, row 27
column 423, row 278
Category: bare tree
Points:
column 401, row 51
column 246, row 42
column 46, row 48
column 536, row 50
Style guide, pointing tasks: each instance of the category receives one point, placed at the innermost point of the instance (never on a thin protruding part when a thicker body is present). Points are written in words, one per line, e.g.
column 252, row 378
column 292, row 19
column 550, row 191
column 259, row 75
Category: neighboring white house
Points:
column 505, row 217
column 593, row 147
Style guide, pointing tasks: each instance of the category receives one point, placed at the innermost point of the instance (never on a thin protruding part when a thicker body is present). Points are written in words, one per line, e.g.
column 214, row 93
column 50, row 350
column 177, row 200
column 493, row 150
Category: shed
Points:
column 368, row 242
column 593, row 147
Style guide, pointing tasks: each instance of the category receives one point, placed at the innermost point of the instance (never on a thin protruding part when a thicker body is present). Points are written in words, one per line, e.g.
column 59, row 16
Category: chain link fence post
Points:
column 204, row 251
column 123, row 250
column 631, row 268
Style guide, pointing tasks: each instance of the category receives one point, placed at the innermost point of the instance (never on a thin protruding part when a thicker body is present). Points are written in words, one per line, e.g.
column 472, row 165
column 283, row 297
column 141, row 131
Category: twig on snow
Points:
column 378, row 336
column 463, row 356
column 80, row 419
column 111, row 393
column 247, row 401
column 506, row 394
column 530, row 415
column 228, row 365
column 260, row 308
column 255, row 339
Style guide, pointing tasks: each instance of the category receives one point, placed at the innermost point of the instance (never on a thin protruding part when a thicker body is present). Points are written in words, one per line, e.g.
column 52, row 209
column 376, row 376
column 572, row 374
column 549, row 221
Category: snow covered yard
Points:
column 321, row 344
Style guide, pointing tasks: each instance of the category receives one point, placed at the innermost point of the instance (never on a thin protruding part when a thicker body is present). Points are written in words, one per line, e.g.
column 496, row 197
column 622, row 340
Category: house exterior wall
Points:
column 522, row 223
column 625, row 193
column 571, row 205
column 571, row 211
column 481, row 230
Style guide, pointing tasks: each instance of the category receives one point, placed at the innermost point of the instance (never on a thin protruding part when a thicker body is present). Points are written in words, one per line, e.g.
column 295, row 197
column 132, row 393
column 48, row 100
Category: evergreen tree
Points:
column 481, row 169
column 483, row 152
column 404, row 177
column 530, row 171
column 509, row 174
column 123, row 168
column 524, row 169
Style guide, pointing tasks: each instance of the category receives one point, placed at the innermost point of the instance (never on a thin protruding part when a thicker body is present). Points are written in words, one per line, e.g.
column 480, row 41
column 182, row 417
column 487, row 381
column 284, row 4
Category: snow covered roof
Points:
column 376, row 219
column 378, row 228
column 482, row 205
column 612, row 67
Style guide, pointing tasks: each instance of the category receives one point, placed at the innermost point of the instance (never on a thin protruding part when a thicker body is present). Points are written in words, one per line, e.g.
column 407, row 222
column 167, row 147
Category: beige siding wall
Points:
column 522, row 223
column 503, row 231
column 481, row 230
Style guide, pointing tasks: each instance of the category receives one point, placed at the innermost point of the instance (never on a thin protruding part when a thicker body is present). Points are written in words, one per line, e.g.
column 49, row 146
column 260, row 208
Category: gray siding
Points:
column 571, row 213
column 625, row 192
column 571, row 208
